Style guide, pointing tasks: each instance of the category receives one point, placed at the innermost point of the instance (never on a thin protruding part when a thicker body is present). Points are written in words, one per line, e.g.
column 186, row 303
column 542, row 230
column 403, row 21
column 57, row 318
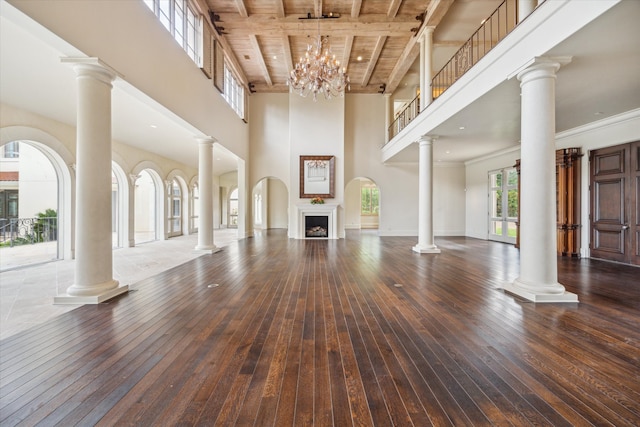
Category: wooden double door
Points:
column 615, row 198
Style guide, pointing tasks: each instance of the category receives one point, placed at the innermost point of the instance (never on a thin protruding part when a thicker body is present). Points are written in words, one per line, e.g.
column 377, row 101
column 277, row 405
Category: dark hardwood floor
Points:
column 360, row 331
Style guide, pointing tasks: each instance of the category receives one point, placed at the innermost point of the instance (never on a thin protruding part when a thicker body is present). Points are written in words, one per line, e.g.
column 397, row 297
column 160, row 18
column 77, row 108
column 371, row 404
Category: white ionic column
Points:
column 94, row 281
column 388, row 116
column 525, row 7
column 205, row 187
column 426, row 243
column 538, row 279
column 426, row 67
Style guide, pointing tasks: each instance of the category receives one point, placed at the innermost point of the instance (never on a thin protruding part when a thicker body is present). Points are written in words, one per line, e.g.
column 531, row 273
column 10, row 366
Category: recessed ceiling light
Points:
column 448, row 152
column 359, row 58
column 461, row 128
column 275, row 57
column 153, row 126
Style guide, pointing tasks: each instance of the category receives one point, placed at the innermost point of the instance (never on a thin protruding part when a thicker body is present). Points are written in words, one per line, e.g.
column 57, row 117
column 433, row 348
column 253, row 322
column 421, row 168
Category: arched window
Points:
column 195, row 209
column 145, row 212
column 175, row 209
column 233, row 209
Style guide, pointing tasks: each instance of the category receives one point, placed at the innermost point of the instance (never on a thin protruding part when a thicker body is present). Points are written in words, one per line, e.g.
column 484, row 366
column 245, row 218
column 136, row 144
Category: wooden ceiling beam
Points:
column 280, row 8
column 394, row 6
column 355, row 8
column 348, row 44
column 283, row 88
column 256, row 47
column 342, row 27
column 374, row 60
column 409, row 55
column 242, row 10
column 287, row 53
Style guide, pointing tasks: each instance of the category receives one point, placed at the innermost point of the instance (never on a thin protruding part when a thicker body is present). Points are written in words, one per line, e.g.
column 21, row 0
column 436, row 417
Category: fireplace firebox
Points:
column 316, row 226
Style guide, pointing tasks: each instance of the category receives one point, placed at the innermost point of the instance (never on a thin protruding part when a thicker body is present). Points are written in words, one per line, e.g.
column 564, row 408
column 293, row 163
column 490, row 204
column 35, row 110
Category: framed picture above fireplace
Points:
column 317, row 175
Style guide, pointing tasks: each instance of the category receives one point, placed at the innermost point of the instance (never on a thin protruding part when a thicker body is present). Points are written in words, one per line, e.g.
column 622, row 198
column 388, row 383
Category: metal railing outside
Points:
column 21, row 231
column 493, row 29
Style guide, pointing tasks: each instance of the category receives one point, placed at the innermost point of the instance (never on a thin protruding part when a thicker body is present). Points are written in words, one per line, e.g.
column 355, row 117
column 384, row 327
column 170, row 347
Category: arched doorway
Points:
column 30, row 199
column 362, row 204
column 146, row 207
column 270, row 204
column 194, row 217
column 119, row 206
column 233, row 209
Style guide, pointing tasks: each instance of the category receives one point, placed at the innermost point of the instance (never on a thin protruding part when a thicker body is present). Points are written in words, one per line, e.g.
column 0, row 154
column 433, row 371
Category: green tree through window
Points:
column 369, row 200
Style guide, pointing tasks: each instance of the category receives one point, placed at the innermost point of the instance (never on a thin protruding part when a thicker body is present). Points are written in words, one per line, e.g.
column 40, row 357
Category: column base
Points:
column 91, row 299
column 426, row 249
column 526, row 292
column 207, row 249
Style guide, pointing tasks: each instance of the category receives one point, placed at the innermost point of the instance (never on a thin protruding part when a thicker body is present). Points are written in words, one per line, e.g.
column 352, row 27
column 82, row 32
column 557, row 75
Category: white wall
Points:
column 269, row 142
column 277, row 119
column 277, row 204
column 449, row 199
column 352, row 205
column 398, row 183
column 316, row 128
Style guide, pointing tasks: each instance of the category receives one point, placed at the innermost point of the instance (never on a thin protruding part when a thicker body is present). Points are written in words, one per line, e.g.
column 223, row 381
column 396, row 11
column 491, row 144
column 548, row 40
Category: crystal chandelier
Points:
column 318, row 71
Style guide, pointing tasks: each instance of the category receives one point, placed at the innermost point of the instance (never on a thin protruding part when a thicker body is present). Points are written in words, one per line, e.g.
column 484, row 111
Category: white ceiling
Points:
column 601, row 81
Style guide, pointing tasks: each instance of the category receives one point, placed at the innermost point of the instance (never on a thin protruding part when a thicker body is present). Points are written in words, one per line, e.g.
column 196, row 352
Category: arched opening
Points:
column 362, row 204
column 175, row 208
column 119, row 206
column 146, row 214
column 270, row 204
column 232, row 220
column 30, row 200
column 194, row 218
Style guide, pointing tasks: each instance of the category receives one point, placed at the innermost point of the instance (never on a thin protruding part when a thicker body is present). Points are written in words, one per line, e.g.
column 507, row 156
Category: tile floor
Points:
column 26, row 293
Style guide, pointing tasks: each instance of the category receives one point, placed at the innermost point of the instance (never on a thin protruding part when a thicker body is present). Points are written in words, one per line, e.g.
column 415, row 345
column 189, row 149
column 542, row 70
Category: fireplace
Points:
column 309, row 216
column 316, row 226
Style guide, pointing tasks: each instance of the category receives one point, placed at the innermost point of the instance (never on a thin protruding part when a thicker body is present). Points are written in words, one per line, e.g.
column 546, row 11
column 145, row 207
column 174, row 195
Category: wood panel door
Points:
column 615, row 176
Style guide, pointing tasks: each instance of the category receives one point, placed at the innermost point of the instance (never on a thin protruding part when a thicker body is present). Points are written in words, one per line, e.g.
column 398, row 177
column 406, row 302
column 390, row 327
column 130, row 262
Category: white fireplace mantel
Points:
column 328, row 209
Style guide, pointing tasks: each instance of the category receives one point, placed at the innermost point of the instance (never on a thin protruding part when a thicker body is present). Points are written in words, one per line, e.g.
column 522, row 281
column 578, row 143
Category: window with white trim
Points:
column 180, row 18
column 233, row 92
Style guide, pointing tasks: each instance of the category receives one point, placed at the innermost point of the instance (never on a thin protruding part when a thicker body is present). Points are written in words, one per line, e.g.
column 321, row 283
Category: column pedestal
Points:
column 426, row 244
column 538, row 279
column 94, row 281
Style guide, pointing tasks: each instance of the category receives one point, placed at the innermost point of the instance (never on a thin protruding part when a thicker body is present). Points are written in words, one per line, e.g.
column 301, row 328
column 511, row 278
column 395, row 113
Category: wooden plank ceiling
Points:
column 375, row 39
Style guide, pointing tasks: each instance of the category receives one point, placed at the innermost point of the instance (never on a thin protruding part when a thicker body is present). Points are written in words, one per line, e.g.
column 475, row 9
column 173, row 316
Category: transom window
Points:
column 181, row 20
column 233, row 92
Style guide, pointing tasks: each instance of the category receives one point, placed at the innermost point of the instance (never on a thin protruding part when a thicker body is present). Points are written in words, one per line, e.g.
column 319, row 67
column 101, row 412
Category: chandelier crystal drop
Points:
column 319, row 72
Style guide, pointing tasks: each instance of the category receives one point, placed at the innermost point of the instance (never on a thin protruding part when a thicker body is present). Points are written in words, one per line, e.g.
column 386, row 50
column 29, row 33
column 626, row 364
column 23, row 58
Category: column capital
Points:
column 540, row 66
column 424, row 31
column 205, row 139
column 427, row 139
column 92, row 67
